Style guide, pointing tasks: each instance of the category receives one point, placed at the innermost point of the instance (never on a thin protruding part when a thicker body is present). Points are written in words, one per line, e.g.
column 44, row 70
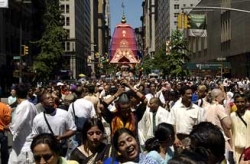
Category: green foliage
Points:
column 148, row 64
column 171, row 64
column 49, row 61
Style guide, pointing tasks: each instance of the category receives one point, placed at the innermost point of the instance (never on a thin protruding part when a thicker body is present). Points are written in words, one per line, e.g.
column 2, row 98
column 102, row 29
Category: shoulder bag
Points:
column 63, row 144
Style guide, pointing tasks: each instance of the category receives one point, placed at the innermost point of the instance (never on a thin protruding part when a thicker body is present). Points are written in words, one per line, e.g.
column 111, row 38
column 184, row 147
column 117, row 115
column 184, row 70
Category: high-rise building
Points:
column 78, row 25
column 148, row 22
column 166, row 13
column 227, row 38
column 16, row 30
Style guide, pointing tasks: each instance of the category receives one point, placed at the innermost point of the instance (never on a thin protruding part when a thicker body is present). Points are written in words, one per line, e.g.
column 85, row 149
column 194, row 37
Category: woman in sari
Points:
column 92, row 150
column 128, row 151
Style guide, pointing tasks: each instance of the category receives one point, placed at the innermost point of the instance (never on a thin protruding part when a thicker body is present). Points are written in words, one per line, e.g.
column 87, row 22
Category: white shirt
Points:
column 59, row 121
column 184, row 118
column 145, row 129
column 21, row 126
column 84, row 109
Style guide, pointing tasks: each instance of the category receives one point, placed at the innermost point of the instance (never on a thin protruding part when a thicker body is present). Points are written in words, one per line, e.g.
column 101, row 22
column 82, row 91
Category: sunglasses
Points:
column 46, row 157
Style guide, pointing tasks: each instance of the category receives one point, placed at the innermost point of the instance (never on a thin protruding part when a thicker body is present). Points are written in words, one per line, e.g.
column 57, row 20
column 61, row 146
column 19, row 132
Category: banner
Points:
column 198, row 25
column 4, row 4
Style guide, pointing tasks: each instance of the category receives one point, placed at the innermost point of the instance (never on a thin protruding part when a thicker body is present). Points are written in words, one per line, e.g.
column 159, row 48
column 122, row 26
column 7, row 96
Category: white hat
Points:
column 59, row 84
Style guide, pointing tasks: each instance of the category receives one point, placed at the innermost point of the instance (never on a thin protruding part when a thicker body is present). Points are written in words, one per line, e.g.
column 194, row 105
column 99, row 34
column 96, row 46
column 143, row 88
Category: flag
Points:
column 198, row 25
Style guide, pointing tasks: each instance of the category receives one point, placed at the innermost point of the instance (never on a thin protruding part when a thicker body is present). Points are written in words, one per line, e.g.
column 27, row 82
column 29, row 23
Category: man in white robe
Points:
column 21, row 127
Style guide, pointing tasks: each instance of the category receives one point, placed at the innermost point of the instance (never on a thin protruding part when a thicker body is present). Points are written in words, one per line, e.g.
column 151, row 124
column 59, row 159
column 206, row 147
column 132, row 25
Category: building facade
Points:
column 166, row 18
column 148, row 23
column 16, row 30
column 77, row 47
column 88, row 29
column 227, row 38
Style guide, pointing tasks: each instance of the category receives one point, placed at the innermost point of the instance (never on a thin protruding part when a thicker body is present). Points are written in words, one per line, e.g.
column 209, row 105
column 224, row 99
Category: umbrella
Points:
column 81, row 75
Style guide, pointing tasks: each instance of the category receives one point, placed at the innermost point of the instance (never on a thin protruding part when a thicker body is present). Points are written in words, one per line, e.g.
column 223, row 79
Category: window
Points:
column 176, row 6
column 191, row 5
column 62, row 8
column 67, row 46
column 176, row 14
column 67, row 21
column 67, row 8
column 184, row 5
column 68, row 33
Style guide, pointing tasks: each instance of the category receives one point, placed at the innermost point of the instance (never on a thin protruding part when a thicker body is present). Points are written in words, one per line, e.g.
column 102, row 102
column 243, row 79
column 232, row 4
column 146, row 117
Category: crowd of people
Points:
column 158, row 121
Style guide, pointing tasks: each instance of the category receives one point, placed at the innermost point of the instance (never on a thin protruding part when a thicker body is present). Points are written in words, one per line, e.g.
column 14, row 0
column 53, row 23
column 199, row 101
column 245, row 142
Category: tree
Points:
column 49, row 60
column 179, row 55
column 172, row 63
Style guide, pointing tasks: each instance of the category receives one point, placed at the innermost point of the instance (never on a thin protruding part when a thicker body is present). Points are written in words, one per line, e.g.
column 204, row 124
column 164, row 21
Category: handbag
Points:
column 63, row 144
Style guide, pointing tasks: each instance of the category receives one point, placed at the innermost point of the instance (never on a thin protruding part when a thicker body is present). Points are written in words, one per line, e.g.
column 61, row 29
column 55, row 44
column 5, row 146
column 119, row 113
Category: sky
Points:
column 132, row 10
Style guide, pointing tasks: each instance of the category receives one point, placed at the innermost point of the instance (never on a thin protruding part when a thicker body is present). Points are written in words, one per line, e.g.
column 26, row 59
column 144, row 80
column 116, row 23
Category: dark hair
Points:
column 210, row 137
column 238, row 95
column 152, row 144
column 184, row 88
column 118, row 133
column 91, row 88
column 174, row 94
column 22, row 91
column 46, row 138
column 89, row 124
column 131, row 94
column 162, row 133
column 188, row 157
column 79, row 91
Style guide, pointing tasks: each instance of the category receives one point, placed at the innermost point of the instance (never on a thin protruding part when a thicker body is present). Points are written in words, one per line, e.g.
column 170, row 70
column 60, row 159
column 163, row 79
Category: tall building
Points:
column 87, row 24
column 92, row 61
column 16, row 30
column 166, row 18
column 77, row 47
column 148, row 23
column 227, row 38
column 103, row 30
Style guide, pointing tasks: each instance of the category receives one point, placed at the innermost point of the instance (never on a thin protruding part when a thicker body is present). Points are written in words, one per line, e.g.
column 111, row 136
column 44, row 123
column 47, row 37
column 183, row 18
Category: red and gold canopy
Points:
column 123, row 45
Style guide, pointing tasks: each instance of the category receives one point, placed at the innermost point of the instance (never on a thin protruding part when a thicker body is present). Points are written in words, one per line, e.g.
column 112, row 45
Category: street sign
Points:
column 16, row 57
column 208, row 66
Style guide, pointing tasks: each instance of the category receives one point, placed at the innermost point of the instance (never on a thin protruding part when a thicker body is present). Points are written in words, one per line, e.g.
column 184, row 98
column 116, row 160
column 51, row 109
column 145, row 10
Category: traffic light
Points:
column 187, row 21
column 179, row 21
column 25, row 50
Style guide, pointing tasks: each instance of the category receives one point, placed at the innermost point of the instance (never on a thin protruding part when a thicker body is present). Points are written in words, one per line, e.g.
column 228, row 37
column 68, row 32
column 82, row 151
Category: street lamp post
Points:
column 20, row 41
column 21, row 37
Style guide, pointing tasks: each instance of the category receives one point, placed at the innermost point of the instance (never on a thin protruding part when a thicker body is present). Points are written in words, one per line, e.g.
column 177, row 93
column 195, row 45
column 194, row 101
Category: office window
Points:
column 67, row 21
column 68, row 33
column 67, row 46
column 62, row 8
column 176, row 6
column 67, row 8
